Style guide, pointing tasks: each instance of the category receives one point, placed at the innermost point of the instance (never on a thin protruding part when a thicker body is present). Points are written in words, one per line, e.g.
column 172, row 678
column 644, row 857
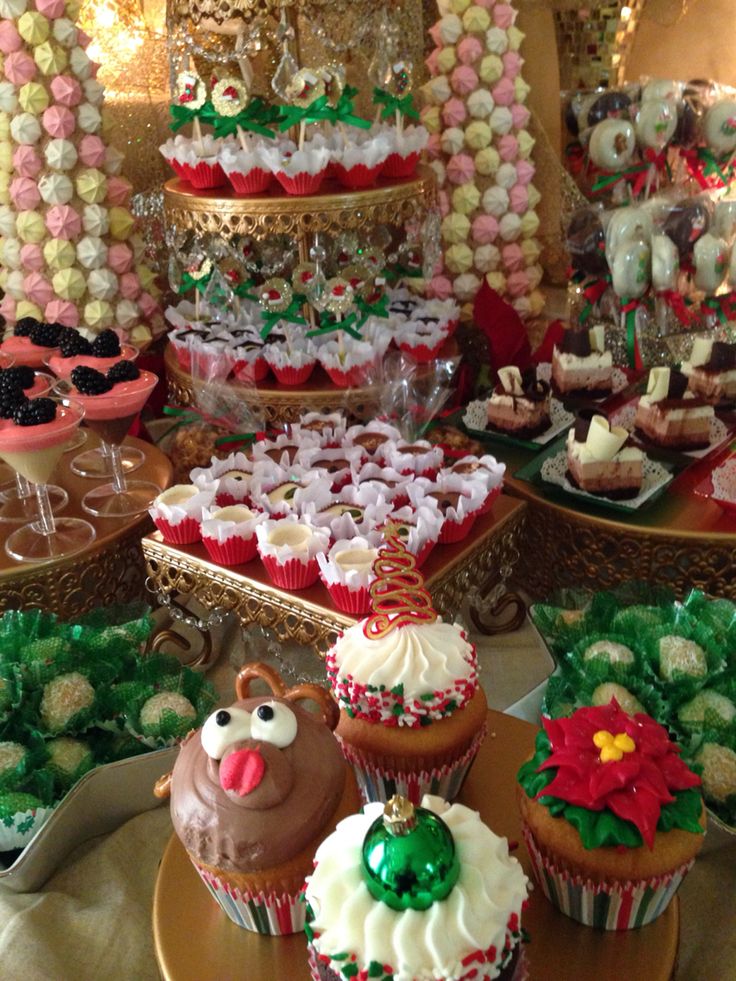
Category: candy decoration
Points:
column 408, row 858
column 398, row 596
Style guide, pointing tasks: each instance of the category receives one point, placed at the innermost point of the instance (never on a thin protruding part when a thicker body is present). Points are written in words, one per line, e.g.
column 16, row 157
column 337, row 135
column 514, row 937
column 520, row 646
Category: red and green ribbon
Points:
column 394, row 103
column 609, row 178
column 724, row 306
column 191, row 415
column 592, row 292
column 255, row 118
column 707, row 169
column 629, row 308
column 291, row 315
column 329, row 326
column 677, row 303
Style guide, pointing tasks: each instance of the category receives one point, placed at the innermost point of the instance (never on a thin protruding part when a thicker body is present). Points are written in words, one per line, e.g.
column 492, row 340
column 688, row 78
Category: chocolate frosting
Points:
column 722, row 357
column 576, row 342
column 276, row 454
column 370, row 441
column 300, row 791
column 446, row 499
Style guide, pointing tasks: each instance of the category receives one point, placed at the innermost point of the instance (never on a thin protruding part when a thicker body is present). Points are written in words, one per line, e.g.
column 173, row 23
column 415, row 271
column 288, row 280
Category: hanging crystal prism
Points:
column 287, row 66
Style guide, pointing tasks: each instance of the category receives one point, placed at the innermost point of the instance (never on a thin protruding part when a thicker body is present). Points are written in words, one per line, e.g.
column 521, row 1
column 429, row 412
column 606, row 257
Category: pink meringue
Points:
column 38, row 289
column 63, row 222
column 120, row 257
column 508, row 147
column 436, row 34
column 517, row 283
column 7, row 308
column 460, row 168
column 10, row 39
column 31, row 257
column 431, row 62
column 484, row 229
column 503, row 92
column 66, row 90
column 524, row 171
column 469, row 50
column 520, row 116
column 19, row 68
column 83, row 39
column 512, row 257
column 118, row 190
column 62, row 312
column 454, row 112
column 464, row 80
column 434, row 147
column 51, row 8
column 147, row 304
column 24, row 192
column 26, row 161
column 129, row 286
column 440, row 287
column 519, row 199
column 485, row 3
column 59, row 122
column 91, row 151
column 512, row 62
column 504, row 15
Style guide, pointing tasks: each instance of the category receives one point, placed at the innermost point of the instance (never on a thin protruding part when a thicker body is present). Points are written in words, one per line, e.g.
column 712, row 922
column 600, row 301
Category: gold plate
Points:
column 195, row 940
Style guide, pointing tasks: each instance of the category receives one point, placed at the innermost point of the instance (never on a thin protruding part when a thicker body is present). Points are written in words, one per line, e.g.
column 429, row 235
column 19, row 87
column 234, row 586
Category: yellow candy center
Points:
column 613, row 747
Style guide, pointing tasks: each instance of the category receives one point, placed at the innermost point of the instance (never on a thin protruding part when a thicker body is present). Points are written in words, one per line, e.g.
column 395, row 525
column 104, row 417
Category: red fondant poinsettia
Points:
column 608, row 759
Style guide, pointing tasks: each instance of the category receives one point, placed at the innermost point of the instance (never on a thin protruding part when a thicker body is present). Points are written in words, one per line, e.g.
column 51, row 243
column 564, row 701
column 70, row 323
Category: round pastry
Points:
column 718, row 768
column 631, row 269
column 611, row 815
column 412, row 714
column 680, row 657
column 707, row 709
column 710, row 257
column 603, row 694
column 66, row 702
column 610, row 652
column 405, row 892
column 68, row 759
column 167, row 711
column 612, row 144
column 253, row 794
column 719, row 127
column 655, row 124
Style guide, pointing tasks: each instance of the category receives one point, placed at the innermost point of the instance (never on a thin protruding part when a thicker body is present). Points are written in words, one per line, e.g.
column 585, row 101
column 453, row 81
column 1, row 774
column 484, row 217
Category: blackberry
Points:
column 106, row 345
column 45, row 335
column 123, row 371
column 88, row 381
column 72, row 343
column 10, row 399
column 24, row 326
column 19, row 378
column 34, row 412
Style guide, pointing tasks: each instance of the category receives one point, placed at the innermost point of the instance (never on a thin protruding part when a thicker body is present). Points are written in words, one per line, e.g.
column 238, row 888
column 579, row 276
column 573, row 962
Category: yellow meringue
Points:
column 121, row 223
column 465, row 198
column 98, row 314
column 491, row 68
column 30, row 226
column 487, row 161
column 515, row 37
column 459, row 258
column 69, row 284
column 33, row 27
column 455, row 227
column 476, row 20
column 50, row 58
column 478, row 135
column 497, row 281
column 431, row 119
column 91, row 185
column 529, row 224
column 59, row 254
column 33, row 98
column 447, row 59
column 24, row 308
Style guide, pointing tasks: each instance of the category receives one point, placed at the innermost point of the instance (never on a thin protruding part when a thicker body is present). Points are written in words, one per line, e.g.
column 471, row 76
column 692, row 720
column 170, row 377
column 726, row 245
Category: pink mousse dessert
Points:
column 112, row 401
column 35, row 438
column 32, row 343
column 100, row 354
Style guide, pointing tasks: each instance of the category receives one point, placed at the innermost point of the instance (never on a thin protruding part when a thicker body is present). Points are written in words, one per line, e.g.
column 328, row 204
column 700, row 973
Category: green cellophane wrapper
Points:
column 713, row 721
column 719, row 615
column 643, row 691
column 723, row 805
column 599, row 668
column 14, row 778
column 42, row 659
column 118, row 634
column 63, row 778
column 683, row 685
column 11, row 695
column 559, row 697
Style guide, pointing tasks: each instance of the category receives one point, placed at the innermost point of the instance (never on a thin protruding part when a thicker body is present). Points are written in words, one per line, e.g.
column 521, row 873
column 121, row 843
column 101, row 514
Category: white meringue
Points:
column 102, row 284
column 25, row 128
column 60, row 154
column 80, row 62
column 91, row 252
column 95, row 219
column 56, row 188
column 89, row 118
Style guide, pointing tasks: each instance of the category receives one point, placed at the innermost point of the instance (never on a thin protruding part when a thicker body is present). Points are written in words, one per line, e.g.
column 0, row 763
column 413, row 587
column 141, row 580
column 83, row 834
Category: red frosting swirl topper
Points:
column 606, row 759
column 398, row 596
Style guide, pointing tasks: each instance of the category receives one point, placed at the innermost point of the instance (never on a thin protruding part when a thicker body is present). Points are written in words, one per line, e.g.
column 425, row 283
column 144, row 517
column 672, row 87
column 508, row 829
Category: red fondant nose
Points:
column 242, row 771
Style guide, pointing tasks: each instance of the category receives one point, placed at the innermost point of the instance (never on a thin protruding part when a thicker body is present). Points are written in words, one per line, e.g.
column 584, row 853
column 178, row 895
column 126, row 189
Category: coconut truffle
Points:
column 719, row 771
column 6, row 694
column 603, row 694
column 63, row 698
column 167, row 709
column 610, row 651
column 11, row 756
column 680, row 656
column 68, row 756
column 707, row 703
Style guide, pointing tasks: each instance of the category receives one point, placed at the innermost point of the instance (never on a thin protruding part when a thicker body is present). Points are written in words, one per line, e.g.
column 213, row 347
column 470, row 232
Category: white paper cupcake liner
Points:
column 272, row 915
column 607, row 906
column 17, row 831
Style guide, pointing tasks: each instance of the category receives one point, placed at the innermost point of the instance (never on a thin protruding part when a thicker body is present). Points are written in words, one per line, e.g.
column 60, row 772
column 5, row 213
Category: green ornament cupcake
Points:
column 414, row 891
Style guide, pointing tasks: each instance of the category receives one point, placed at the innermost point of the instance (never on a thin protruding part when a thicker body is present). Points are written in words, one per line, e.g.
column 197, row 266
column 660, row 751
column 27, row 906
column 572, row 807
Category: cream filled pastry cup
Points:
column 347, row 572
column 289, row 547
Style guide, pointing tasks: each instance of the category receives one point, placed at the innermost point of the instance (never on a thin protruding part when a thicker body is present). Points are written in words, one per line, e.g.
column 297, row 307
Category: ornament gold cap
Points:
column 399, row 816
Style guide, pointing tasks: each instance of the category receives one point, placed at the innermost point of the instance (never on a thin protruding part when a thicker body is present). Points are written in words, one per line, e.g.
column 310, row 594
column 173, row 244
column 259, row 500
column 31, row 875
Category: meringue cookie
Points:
column 31, row 256
column 61, row 154
column 121, row 223
column 486, row 258
column 98, row 314
column 524, row 171
column 516, row 38
column 25, row 128
column 485, row 229
column 529, row 224
column 146, row 276
column 120, row 257
column 504, row 15
column 7, row 221
column 94, row 91
column 440, row 287
column 80, row 63
column 465, row 199
column 533, row 196
column 8, row 97
column 126, row 314
column 450, row 26
column 512, row 62
column 119, row 190
column 50, row 58
column 50, row 8
column 33, row 27
column 497, row 281
column 102, row 284
column 65, row 32
column 476, row 20
column 521, row 89
column 501, row 120
column 33, row 98
column 62, row 312
column 14, row 284
column 506, row 176
column 455, row 228
column 531, row 250
column 491, row 68
column 12, row 9
column 149, row 307
column 460, row 168
column 469, row 50
column 519, row 199
column 480, row 104
column 58, row 253
column 139, row 249
column 526, row 143
column 19, row 68
column 27, row 309
column 10, row 39
column 452, row 140
column 89, row 118
column 430, row 117
column 459, row 258
column 56, row 188
column 512, row 257
column 437, row 90
column 69, row 284
column 91, row 151
column 503, row 92
column 478, row 135
column 64, row 222
column 454, row 7
column 4, row 188
column 454, row 112
column 496, row 201
column 96, row 219
column 438, row 168
column 24, row 193
column 4, row 126
column 129, row 286
column 446, row 60
column 508, row 147
column 464, row 80
column 487, row 161
column 496, row 41
column 6, row 157
column 7, row 308
column 10, row 255
column 466, row 286
column 91, row 252
column 29, row 225
column 91, row 185
column 37, row 288
column 509, row 227
column 59, row 122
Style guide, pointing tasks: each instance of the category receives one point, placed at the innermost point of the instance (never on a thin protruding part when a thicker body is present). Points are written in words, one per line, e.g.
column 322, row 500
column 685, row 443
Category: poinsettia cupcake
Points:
column 347, row 572
column 612, row 817
column 229, row 533
column 289, row 547
column 177, row 513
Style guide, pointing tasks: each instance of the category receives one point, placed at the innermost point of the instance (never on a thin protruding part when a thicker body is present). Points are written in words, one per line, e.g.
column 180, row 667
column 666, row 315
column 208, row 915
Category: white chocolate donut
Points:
column 631, row 269
column 656, row 123
column 719, row 127
column 612, row 144
column 710, row 257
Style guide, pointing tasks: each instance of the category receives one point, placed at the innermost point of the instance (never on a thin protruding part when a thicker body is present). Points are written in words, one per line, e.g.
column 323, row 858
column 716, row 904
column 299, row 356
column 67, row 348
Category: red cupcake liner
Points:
column 235, row 551
column 358, row 176
column 488, row 503
column 254, row 182
column 300, row 184
column 355, row 601
column 251, row 372
column 424, row 553
column 397, row 166
column 421, row 353
column 352, row 378
column 183, row 356
column 452, row 326
column 183, row 533
column 205, row 176
column 293, row 376
column 180, row 169
column 430, row 473
column 292, row 574
column 455, row 531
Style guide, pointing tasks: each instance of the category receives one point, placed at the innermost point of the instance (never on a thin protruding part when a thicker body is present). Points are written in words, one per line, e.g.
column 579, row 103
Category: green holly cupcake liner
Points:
column 14, row 772
column 21, row 817
column 645, row 693
column 599, row 666
column 559, row 697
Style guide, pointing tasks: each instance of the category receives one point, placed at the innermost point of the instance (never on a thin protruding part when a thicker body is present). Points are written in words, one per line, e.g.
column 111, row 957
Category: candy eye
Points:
column 223, row 728
column 274, row 723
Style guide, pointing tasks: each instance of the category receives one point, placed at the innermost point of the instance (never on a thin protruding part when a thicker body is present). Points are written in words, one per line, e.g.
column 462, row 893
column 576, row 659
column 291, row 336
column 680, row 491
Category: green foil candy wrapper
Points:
column 409, row 858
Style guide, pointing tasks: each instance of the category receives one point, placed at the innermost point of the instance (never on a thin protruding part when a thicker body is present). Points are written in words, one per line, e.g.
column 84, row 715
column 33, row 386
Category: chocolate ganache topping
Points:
column 261, row 802
column 722, row 357
column 576, row 342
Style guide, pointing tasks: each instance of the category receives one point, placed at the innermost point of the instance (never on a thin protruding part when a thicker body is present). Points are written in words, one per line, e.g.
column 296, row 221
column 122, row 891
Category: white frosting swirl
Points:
column 418, row 945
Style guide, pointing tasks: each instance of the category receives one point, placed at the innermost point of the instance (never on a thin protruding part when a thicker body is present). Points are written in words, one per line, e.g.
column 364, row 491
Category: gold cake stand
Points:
column 308, row 617
column 109, row 571
column 559, row 950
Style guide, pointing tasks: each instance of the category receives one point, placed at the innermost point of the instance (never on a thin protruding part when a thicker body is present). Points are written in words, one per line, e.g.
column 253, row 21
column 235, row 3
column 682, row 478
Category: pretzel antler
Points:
column 328, row 705
column 258, row 670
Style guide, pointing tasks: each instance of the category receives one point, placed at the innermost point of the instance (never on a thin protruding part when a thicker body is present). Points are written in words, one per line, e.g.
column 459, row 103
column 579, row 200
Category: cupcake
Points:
column 253, row 793
column 229, row 534
column 485, row 470
column 177, row 513
column 230, row 479
column 420, row 458
column 246, row 170
column 459, row 500
column 299, row 172
column 412, row 714
column 415, row 892
column 288, row 548
column 347, row 572
column 612, row 817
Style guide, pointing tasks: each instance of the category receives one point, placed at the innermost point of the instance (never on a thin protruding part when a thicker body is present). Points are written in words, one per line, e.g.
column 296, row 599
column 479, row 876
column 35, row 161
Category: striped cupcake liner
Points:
column 607, row 906
column 379, row 784
column 269, row 914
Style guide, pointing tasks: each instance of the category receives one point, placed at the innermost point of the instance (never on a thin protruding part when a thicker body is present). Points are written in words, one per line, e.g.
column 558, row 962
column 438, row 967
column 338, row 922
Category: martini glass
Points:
column 96, row 463
column 110, row 415
column 33, row 452
column 17, row 497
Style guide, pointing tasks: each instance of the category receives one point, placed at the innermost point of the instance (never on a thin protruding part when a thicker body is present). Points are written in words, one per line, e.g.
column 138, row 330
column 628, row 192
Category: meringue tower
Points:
column 68, row 253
